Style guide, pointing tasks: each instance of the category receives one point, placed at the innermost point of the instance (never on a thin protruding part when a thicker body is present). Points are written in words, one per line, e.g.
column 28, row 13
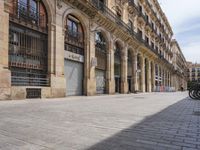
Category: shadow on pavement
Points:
column 176, row 127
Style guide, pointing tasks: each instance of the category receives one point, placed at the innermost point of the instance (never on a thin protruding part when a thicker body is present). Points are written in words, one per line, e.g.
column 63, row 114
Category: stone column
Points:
column 164, row 78
column 153, row 76
column 5, row 74
column 142, row 74
column 124, row 69
column 89, row 69
column 148, row 76
column 110, row 84
column 170, row 81
column 134, row 73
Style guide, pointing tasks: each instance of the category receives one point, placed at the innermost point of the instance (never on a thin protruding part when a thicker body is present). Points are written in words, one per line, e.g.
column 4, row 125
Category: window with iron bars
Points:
column 27, row 56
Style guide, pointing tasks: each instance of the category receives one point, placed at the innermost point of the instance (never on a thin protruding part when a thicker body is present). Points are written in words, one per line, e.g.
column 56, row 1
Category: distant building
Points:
column 193, row 71
column 180, row 67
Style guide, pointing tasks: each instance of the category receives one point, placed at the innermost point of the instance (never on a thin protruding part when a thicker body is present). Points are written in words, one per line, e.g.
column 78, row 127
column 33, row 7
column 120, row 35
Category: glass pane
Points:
column 22, row 8
column 33, row 9
column 75, row 27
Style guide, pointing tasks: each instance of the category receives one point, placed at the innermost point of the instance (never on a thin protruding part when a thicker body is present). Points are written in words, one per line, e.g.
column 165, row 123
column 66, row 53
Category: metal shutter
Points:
column 74, row 77
column 100, row 81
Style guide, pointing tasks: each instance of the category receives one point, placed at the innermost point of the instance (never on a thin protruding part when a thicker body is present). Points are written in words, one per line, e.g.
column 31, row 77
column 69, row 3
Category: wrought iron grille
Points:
column 100, row 51
column 74, row 49
column 27, row 57
column 33, row 93
column 74, row 41
column 74, row 38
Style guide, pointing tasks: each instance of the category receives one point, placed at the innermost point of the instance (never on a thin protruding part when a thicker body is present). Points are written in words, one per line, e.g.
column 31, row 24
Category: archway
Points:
column 74, row 56
column 101, row 48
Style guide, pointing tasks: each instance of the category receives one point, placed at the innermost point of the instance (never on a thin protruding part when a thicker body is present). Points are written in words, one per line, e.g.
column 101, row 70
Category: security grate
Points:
column 33, row 93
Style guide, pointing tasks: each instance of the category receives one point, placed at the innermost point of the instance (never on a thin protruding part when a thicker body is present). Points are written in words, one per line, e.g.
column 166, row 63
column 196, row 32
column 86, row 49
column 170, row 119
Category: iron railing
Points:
column 74, row 49
column 27, row 78
column 100, row 47
column 111, row 15
column 74, row 37
column 74, row 41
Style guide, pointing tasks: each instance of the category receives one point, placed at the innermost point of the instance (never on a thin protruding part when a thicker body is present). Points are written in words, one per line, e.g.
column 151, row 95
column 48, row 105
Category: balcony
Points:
column 112, row 16
column 132, row 4
column 142, row 17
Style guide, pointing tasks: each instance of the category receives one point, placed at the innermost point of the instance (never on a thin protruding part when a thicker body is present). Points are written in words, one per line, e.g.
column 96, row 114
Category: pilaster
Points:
column 148, row 76
column 56, row 58
column 153, row 76
column 142, row 74
column 110, row 69
column 90, row 79
column 5, row 74
column 134, row 73
column 124, row 69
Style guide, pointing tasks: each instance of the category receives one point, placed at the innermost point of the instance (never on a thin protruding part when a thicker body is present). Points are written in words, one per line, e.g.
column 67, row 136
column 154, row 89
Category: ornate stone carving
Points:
column 59, row 4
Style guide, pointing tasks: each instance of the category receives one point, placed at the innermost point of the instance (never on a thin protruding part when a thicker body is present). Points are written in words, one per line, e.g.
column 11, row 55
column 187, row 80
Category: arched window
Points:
column 74, row 36
column 100, row 53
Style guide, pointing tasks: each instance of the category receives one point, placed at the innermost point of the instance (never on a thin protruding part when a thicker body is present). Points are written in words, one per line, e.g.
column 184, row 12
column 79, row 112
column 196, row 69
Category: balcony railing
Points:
column 111, row 15
column 74, row 37
column 132, row 3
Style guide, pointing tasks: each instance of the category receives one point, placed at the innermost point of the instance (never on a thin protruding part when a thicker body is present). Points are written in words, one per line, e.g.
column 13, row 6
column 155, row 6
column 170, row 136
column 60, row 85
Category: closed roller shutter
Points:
column 100, row 81
column 74, row 77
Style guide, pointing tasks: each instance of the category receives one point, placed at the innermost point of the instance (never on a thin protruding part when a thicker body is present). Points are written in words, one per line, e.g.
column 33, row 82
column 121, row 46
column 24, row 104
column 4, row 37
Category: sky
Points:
column 184, row 18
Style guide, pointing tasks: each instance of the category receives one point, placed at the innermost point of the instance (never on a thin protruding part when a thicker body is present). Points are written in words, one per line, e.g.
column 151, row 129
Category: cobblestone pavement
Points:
column 156, row 121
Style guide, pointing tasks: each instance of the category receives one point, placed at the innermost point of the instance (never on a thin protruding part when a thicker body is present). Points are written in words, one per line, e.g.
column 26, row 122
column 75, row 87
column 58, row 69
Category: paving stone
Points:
column 119, row 122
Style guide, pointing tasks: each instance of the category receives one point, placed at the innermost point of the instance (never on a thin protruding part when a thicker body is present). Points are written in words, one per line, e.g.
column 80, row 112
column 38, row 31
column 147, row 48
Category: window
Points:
column 140, row 8
column 119, row 16
column 140, row 33
column 130, row 24
column 74, row 37
column 28, row 10
column 147, row 39
column 72, row 27
column 147, row 18
column 100, row 42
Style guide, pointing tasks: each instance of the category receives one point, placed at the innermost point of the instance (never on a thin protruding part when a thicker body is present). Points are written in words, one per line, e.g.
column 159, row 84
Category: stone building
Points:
column 193, row 71
column 56, row 48
column 180, row 76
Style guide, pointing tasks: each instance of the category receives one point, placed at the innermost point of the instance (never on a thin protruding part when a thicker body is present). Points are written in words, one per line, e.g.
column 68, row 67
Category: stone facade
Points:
column 180, row 76
column 193, row 71
column 139, row 27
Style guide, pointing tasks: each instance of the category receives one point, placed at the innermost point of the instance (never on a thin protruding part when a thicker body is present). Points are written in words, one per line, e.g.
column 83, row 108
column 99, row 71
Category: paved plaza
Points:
column 156, row 121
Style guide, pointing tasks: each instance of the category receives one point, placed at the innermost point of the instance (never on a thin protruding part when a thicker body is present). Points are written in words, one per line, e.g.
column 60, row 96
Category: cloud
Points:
column 184, row 17
column 192, row 53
